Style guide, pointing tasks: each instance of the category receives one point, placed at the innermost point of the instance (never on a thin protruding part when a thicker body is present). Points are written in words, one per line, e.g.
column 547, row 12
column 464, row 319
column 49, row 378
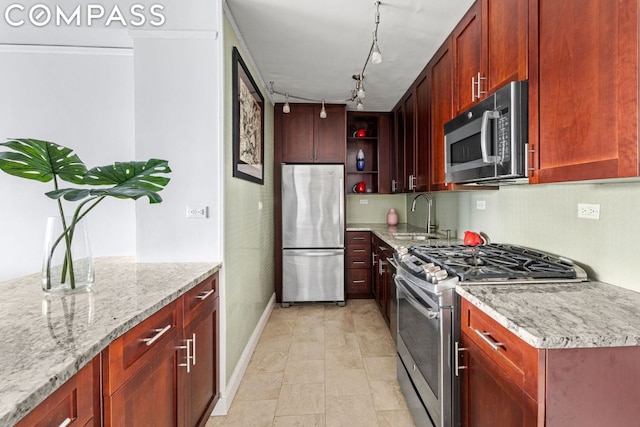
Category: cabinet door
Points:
column 397, row 152
column 329, row 146
column 467, row 47
column 150, row 397
column 489, row 397
column 439, row 71
column 298, row 134
column 583, row 89
column 202, row 380
column 421, row 153
column 384, row 158
column 504, row 42
column 75, row 403
column 409, row 142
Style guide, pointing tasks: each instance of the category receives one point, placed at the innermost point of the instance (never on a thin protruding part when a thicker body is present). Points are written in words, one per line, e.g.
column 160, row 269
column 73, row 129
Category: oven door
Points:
column 423, row 347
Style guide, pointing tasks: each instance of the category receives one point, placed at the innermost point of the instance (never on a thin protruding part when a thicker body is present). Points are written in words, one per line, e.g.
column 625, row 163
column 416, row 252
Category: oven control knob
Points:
column 440, row 275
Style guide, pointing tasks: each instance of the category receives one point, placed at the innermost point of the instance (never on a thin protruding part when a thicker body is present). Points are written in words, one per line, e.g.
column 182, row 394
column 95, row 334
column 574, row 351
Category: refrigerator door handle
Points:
column 314, row 252
column 342, row 213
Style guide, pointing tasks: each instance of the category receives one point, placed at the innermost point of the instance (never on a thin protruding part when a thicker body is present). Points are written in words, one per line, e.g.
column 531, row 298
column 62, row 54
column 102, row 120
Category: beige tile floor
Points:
column 321, row 365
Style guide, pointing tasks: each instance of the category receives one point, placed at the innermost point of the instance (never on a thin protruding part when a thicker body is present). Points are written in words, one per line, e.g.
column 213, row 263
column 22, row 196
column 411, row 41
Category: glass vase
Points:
column 67, row 264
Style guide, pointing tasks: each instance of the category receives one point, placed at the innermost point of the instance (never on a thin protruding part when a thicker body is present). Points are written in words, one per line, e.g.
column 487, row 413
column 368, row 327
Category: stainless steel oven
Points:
column 425, row 332
column 428, row 324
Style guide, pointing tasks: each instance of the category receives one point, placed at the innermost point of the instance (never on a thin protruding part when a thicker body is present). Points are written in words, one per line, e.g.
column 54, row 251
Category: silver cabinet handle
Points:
column 187, row 364
column 65, row 423
column 413, row 181
column 394, row 185
column 485, row 337
column 358, row 262
column 359, row 250
column 205, row 295
column 193, row 353
column 381, row 269
column 359, row 281
column 357, row 238
column 457, row 351
column 156, row 337
column 373, row 258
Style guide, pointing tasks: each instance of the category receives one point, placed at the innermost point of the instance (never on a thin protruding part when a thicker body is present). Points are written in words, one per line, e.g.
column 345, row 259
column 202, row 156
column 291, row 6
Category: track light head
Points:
column 323, row 111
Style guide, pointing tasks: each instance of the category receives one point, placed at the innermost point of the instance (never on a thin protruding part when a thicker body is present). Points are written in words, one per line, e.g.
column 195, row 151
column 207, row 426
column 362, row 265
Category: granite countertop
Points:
column 385, row 232
column 562, row 315
column 47, row 338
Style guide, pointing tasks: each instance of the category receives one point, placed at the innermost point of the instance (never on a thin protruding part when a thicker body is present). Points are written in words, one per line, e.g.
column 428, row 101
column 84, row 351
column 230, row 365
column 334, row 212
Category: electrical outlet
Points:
column 197, row 211
column 588, row 210
column 481, row 205
column 364, row 201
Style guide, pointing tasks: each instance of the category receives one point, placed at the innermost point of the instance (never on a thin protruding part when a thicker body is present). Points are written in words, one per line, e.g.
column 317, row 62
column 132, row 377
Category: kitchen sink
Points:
column 415, row 236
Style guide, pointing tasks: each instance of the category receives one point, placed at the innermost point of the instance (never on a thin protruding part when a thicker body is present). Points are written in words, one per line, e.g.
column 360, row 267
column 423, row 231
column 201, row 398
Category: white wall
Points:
column 177, row 96
column 80, row 98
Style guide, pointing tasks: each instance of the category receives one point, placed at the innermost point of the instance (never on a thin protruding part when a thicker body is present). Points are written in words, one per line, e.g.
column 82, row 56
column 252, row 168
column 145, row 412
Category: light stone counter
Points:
column 46, row 339
column 562, row 315
column 385, row 232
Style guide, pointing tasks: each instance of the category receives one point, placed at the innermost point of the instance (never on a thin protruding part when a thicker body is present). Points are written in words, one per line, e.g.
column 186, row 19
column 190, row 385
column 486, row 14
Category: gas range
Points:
column 486, row 264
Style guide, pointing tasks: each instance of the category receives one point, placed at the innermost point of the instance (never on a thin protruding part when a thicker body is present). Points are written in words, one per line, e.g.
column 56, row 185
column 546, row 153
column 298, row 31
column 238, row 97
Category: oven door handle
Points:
column 484, row 141
column 429, row 314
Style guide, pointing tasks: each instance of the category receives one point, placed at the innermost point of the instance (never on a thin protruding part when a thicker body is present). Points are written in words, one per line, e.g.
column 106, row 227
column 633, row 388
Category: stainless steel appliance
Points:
column 428, row 323
column 312, row 233
column 489, row 141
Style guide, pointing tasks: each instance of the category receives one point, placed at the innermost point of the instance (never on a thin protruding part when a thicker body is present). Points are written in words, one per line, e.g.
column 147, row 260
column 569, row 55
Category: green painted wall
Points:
column 248, row 226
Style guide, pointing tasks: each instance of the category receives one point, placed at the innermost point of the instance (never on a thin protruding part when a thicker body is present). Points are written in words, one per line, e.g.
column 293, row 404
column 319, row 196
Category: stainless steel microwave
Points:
column 489, row 141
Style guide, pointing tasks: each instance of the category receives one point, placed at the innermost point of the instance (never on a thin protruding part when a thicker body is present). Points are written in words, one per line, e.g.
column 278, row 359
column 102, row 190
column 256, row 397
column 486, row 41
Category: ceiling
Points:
column 311, row 49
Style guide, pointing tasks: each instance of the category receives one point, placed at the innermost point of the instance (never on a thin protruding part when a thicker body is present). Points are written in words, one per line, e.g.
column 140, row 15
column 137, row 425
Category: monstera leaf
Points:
column 130, row 180
column 41, row 161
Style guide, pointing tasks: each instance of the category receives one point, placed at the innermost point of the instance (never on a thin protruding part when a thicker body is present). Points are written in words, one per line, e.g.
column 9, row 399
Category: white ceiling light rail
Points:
column 358, row 94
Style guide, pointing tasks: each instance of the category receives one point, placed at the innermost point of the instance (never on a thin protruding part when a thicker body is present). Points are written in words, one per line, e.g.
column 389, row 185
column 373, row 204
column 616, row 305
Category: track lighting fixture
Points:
column 286, row 108
column 358, row 94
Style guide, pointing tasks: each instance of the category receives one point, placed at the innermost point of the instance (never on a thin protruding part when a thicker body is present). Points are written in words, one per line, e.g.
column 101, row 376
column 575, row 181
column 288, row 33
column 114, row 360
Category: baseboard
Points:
column 226, row 397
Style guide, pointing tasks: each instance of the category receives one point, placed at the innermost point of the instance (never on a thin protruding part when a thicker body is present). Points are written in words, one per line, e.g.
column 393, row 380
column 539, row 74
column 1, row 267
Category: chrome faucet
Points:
column 430, row 203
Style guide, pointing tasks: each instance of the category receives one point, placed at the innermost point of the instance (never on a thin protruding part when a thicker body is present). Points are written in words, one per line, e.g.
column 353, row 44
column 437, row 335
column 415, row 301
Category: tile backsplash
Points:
column 373, row 208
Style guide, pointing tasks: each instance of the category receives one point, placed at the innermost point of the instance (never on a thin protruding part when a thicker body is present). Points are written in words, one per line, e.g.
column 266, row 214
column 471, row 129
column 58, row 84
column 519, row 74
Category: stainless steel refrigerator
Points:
column 312, row 233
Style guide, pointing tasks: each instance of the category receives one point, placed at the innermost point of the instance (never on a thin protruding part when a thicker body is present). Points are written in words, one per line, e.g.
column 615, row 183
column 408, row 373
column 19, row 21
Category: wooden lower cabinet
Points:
column 75, row 403
column 506, row 382
column 358, row 264
column 164, row 372
column 489, row 397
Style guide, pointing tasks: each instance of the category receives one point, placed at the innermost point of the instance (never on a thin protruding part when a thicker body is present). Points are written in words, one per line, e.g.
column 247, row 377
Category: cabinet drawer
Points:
column 359, row 250
column 200, row 298
column 75, row 403
column 130, row 352
column 358, row 281
column 518, row 359
column 358, row 238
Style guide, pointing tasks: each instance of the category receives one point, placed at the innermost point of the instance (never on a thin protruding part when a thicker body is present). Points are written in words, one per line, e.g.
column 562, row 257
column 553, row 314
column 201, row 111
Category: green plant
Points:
column 46, row 161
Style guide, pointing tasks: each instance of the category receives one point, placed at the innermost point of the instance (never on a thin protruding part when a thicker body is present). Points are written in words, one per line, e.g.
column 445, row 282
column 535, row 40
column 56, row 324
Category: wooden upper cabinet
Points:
column 490, row 45
column 441, row 110
column 330, row 134
column 306, row 138
column 504, row 39
column 422, row 134
column 583, row 90
column 467, row 42
column 397, row 151
column 298, row 133
column 410, row 178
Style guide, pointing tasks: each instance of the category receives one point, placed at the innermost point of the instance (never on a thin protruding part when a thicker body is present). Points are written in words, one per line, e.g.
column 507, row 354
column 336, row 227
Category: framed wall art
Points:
column 248, row 124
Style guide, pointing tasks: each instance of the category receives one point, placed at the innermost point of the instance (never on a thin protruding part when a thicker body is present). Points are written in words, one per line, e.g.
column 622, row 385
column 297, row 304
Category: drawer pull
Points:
column 485, row 337
column 359, row 281
column 357, row 238
column 205, row 295
column 65, row 423
column 359, row 250
column 358, row 262
column 156, row 337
